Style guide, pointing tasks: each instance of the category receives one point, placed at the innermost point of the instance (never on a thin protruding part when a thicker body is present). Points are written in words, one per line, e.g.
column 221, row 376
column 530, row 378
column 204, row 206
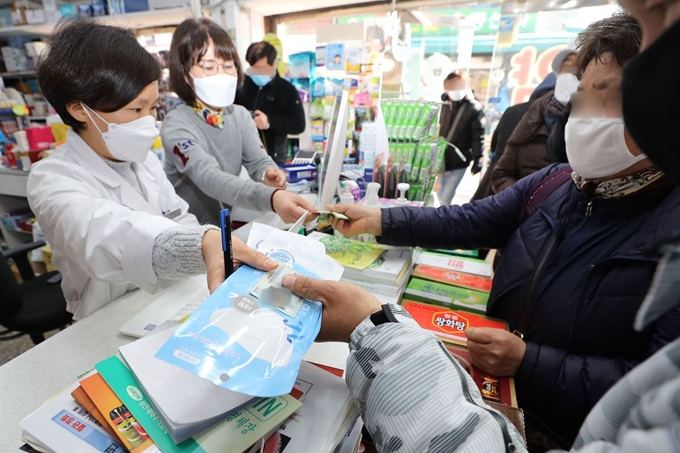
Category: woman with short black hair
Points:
column 111, row 216
column 208, row 139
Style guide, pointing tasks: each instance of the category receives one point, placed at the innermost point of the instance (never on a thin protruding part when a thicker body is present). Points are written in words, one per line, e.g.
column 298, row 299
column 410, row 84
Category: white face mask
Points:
column 457, row 95
column 129, row 142
column 566, row 85
column 596, row 147
column 216, row 91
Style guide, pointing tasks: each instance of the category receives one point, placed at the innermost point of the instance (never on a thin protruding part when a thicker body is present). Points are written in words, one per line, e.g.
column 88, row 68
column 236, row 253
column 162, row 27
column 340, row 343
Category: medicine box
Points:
column 452, row 297
column 453, row 278
column 296, row 173
column 455, row 263
column 449, row 325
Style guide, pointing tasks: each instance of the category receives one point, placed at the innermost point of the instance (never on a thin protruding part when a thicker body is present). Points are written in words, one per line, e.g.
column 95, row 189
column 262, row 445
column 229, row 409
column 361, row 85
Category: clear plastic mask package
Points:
column 250, row 335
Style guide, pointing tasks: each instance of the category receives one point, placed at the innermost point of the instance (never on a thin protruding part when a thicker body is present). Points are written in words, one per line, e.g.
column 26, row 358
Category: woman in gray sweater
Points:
column 208, row 139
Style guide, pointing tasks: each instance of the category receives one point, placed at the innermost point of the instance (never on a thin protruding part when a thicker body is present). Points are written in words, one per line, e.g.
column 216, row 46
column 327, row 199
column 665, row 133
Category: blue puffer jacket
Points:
column 580, row 338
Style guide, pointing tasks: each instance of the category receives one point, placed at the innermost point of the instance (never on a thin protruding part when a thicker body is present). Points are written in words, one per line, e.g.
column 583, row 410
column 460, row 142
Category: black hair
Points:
column 102, row 66
column 189, row 45
column 259, row 50
column 457, row 74
column 616, row 38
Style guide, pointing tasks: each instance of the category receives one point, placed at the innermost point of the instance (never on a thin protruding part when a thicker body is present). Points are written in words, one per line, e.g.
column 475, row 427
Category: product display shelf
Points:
column 17, row 74
column 13, row 196
column 144, row 19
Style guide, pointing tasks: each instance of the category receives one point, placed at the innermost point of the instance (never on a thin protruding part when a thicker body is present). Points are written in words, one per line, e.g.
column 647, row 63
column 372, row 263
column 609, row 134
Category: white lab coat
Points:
column 101, row 230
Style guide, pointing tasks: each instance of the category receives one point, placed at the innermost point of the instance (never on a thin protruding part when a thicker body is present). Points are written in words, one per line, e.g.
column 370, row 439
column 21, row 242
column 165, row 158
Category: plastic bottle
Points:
column 372, row 200
column 403, row 188
column 346, row 197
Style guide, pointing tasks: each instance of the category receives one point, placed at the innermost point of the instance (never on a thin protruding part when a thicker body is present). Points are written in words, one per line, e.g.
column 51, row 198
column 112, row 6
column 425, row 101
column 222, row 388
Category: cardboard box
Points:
column 453, row 278
column 35, row 16
column 15, row 59
column 496, row 389
column 453, row 297
column 6, row 18
column 449, row 325
column 455, row 263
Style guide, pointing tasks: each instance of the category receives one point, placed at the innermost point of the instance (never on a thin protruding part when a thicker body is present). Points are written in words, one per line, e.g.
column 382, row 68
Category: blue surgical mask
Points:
column 260, row 80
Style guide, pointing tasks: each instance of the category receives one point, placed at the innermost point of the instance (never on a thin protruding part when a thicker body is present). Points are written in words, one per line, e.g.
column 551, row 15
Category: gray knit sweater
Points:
column 177, row 252
column 203, row 162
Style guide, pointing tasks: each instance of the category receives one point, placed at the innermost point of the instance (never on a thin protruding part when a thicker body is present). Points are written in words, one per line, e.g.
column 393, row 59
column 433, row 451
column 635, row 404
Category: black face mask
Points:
column 651, row 96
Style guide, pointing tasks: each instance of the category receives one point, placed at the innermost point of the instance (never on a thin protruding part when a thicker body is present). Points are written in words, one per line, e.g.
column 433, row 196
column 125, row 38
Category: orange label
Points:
column 449, row 325
column 453, row 278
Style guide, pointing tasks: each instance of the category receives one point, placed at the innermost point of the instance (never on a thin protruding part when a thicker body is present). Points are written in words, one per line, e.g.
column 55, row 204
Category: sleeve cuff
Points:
column 271, row 199
column 526, row 368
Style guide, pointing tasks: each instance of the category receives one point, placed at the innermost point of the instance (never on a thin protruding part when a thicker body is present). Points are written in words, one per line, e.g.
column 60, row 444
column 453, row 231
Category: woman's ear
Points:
column 77, row 111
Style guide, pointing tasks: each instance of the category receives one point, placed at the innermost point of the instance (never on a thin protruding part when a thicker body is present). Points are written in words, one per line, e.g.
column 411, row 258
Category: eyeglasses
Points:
column 211, row 67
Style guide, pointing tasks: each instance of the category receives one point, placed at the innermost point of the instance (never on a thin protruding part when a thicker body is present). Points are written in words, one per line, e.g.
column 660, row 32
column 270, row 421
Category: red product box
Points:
column 448, row 325
column 497, row 389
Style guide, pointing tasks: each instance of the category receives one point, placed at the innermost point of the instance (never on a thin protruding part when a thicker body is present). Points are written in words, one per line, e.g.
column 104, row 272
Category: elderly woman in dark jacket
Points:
column 576, row 265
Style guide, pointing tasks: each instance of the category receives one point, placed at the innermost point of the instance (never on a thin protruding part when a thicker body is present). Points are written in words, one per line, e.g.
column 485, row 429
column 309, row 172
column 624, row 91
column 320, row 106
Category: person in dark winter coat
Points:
column 467, row 137
column 556, row 146
column 506, row 126
column 274, row 102
column 526, row 151
column 576, row 266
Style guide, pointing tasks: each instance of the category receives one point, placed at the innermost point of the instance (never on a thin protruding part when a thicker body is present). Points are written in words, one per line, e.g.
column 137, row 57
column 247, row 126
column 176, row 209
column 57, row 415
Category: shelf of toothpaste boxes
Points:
column 230, row 378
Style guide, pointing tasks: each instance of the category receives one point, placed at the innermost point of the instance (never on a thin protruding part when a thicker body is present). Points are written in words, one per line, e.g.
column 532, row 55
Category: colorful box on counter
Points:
column 455, row 263
column 452, row 297
column 454, row 278
column 497, row 389
column 449, row 325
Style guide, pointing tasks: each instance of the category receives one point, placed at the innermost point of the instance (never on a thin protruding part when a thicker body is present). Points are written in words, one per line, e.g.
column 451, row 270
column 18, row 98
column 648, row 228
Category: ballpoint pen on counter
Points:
column 225, row 226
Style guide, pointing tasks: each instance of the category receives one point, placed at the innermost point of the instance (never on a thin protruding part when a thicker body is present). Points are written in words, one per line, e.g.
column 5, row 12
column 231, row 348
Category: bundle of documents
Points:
column 140, row 402
column 327, row 416
column 319, row 416
column 374, row 267
column 187, row 404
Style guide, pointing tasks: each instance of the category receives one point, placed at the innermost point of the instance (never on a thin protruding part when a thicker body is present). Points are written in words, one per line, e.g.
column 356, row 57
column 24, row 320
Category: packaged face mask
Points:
column 250, row 335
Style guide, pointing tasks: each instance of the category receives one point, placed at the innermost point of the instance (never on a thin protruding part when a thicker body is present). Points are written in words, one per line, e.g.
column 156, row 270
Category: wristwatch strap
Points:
column 383, row 316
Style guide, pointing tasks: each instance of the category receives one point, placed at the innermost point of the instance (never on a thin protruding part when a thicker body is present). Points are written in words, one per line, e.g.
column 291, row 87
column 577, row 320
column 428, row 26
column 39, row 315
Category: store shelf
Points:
column 144, row 19
column 17, row 74
column 13, row 182
column 37, row 118
column 15, row 230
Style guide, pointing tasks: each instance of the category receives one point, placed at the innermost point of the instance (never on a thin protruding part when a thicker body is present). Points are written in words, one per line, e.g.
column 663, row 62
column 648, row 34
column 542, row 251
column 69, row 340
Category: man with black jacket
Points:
column 462, row 125
column 274, row 102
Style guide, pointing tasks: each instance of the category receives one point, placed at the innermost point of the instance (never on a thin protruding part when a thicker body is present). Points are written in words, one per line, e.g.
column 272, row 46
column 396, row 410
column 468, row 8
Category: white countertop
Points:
column 46, row 369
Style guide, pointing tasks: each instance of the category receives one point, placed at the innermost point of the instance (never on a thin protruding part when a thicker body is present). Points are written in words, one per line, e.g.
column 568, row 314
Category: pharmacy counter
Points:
column 30, row 379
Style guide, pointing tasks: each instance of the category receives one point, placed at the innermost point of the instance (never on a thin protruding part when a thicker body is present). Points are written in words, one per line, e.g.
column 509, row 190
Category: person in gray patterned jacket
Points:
column 413, row 397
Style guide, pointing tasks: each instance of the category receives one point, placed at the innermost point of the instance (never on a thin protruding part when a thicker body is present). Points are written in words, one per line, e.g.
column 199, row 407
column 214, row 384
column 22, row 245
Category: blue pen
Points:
column 225, row 226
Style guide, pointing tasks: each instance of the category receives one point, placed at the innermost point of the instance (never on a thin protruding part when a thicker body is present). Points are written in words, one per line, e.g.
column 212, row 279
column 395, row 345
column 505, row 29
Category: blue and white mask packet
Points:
column 250, row 335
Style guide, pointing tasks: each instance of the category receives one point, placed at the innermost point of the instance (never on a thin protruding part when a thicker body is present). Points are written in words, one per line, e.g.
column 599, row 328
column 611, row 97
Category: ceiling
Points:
column 279, row 7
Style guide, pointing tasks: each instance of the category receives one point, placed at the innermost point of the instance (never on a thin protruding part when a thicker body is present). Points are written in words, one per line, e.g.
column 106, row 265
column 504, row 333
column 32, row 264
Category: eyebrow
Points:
column 145, row 101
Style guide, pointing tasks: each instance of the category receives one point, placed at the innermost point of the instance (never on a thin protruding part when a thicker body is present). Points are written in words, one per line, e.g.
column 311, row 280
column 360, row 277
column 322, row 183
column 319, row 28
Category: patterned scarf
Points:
column 209, row 116
column 619, row 187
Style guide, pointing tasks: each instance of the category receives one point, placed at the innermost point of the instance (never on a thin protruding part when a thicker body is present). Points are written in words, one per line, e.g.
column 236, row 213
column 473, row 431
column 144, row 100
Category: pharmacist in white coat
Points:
column 103, row 201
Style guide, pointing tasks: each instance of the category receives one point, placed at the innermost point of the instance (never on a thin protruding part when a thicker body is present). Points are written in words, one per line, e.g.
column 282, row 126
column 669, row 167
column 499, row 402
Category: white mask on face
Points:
column 128, row 142
column 457, row 95
column 596, row 147
column 216, row 91
column 566, row 85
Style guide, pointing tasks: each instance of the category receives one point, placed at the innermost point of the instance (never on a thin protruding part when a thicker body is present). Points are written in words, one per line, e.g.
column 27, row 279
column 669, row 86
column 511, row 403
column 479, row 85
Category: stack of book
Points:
column 376, row 268
column 137, row 403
